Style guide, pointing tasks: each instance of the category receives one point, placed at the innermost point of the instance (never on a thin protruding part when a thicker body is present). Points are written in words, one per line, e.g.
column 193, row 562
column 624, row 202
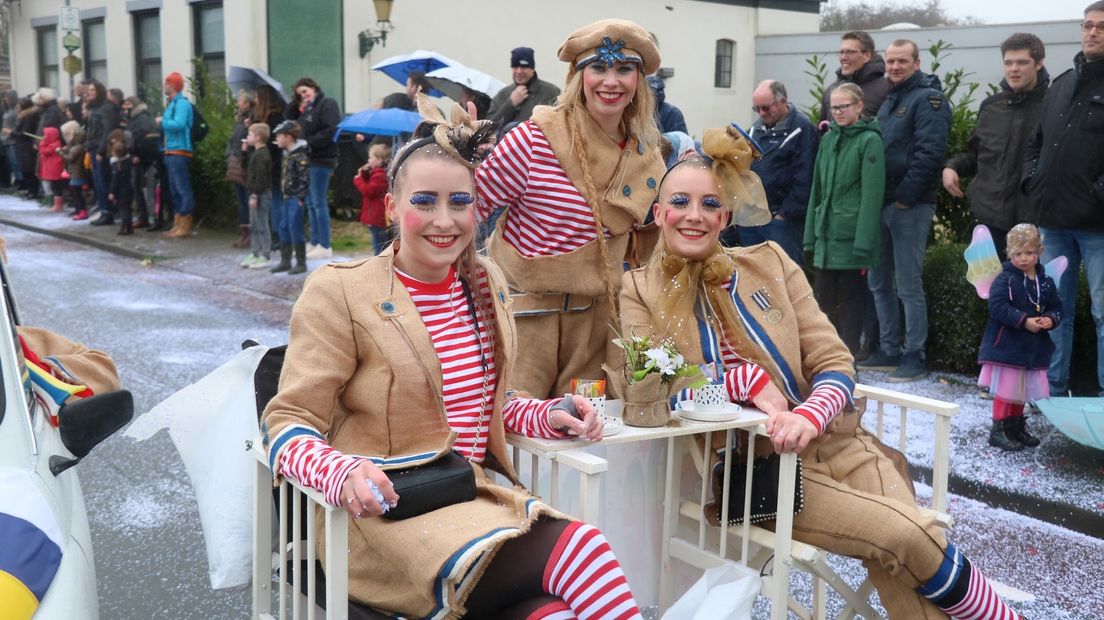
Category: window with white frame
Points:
column 210, row 40
column 722, row 73
column 95, row 50
column 147, row 53
column 47, row 42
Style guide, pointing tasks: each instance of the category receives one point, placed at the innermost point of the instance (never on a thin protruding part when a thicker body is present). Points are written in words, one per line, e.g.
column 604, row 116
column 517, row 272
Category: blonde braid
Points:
column 590, row 192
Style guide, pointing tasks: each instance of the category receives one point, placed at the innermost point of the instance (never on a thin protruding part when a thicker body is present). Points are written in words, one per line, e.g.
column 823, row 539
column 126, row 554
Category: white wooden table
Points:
column 679, row 434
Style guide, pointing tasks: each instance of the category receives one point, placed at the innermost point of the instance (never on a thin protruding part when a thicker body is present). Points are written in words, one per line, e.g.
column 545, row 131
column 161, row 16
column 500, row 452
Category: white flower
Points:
column 662, row 360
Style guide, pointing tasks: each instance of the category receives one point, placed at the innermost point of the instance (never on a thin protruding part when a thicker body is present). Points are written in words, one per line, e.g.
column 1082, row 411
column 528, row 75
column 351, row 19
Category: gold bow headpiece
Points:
column 731, row 153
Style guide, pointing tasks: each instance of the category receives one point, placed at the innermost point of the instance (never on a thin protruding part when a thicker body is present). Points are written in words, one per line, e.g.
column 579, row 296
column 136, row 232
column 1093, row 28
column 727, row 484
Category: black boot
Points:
column 300, row 259
column 126, row 228
column 285, row 259
column 999, row 436
column 1018, row 428
column 106, row 219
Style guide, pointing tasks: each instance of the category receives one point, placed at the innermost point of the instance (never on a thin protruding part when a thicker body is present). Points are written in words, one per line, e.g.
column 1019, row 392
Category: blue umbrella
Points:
column 1080, row 419
column 399, row 67
column 386, row 122
column 249, row 78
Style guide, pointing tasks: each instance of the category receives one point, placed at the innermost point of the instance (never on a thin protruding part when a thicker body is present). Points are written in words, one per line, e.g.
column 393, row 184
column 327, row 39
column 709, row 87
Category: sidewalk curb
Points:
column 1064, row 515
column 82, row 239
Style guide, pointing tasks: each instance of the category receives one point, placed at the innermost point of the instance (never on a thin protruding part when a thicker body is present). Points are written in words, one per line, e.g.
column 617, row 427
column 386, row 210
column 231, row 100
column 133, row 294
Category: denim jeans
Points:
column 101, row 179
column 319, row 207
column 180, row 183
column 13, row 164
column 242, row 195
column 900, row 275
column 1078, row 247
column 291, row 221
column 786, row 233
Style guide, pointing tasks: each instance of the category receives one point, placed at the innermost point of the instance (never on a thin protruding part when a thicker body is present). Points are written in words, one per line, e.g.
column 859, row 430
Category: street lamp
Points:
column 368, row 38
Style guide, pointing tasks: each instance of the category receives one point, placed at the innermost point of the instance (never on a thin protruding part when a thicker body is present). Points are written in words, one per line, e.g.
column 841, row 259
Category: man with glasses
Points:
column 789, row 143
column 1064, row 175
column 915, row 119
column 863, row 66
column 995, row 151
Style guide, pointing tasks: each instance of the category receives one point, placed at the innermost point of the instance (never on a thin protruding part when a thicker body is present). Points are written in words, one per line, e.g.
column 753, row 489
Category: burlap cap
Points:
column 585, row 41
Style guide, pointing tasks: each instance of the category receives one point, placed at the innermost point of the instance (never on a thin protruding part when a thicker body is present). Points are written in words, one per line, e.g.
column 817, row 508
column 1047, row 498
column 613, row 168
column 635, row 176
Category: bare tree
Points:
column 840, row 16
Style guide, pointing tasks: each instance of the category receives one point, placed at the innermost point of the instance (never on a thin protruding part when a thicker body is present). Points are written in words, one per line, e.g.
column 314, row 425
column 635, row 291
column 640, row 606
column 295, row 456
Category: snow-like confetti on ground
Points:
column 1060, row 470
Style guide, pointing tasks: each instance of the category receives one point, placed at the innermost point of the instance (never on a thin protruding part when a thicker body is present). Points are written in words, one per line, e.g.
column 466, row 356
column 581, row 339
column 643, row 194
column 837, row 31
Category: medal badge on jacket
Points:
column 763, row 300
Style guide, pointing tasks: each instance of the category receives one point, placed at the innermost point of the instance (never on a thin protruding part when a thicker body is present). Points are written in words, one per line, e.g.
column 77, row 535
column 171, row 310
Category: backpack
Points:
column 199, row 125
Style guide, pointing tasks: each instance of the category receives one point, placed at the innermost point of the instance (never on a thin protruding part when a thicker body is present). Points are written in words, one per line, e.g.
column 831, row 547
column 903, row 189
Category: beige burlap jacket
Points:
column 362, row 372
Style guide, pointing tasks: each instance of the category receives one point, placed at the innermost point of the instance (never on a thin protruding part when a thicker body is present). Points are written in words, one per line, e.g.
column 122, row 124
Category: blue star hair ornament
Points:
column 610, row 52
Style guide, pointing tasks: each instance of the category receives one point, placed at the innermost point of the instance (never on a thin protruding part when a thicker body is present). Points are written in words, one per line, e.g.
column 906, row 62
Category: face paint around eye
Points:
column 678, row 200
column 712, row 202
column 420, row 199
column 461, row 198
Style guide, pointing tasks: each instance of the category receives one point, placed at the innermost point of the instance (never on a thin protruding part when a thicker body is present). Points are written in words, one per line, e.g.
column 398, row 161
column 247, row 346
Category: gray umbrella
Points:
column 248, row 78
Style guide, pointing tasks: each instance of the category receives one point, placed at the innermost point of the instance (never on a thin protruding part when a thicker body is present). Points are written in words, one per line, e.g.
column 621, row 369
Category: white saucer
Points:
column 612, row 425
column 729, row 411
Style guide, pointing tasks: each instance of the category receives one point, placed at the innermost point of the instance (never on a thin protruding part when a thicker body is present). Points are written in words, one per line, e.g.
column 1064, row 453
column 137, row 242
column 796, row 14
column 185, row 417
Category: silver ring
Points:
column 349, row 500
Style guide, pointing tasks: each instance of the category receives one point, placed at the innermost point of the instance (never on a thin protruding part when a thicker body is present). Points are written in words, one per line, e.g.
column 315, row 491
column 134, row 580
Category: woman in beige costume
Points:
column 751, row 311
column 394, row 361
column 575, row 180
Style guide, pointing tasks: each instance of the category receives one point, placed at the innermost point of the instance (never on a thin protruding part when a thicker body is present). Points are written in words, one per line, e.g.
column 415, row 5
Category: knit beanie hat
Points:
column 522, row 57
column 175, row 80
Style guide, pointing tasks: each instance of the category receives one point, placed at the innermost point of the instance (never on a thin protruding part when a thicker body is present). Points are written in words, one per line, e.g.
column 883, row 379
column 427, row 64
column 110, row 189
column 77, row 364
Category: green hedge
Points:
column 957, row 319
column 216, row 204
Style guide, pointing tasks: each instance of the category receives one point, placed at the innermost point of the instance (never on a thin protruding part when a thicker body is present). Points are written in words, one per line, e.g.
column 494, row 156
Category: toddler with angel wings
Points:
column 1016, row 349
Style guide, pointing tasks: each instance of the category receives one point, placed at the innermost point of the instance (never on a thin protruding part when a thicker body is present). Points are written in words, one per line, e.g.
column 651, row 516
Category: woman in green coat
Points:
column 841, row 225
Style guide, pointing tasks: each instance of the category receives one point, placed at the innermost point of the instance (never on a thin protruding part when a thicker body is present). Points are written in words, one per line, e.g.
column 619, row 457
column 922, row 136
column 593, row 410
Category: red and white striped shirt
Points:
column 546, row 214
column 464, row 372
column 445, row 313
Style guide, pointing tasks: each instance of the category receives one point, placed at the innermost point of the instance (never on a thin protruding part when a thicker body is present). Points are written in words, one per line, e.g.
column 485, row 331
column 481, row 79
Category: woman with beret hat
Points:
column 751, row 312
column 574, row 181
column 396, row 361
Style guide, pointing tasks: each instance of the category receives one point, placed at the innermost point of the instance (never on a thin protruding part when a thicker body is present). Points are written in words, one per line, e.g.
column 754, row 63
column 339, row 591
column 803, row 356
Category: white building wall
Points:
column 976, row 48
column 479, row 34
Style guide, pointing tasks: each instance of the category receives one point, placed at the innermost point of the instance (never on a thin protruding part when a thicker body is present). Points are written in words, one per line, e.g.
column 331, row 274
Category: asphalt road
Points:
column 165, row 329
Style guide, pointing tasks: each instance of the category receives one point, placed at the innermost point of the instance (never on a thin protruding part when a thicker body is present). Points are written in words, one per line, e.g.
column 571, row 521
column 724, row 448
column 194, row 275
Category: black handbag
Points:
column 446, row 481
column 764, row 489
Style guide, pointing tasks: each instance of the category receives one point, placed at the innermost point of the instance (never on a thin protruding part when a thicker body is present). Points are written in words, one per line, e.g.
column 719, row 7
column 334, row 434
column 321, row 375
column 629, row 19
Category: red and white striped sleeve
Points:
column 745, row 381
column 504, row 176
column 823, row 405
column 314, row 463
column 529, row 417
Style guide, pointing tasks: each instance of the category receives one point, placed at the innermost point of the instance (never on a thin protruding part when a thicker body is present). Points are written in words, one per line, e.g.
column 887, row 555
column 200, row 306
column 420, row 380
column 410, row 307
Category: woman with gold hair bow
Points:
column 751, row 312
column 403, row 360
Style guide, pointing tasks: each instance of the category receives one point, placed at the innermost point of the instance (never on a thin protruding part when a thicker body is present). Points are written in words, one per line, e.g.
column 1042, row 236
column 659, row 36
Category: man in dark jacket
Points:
column 789, row 143
column 994, row 153
column 668, row 117
column 915, row 119
column 864, row 67
column 1064, row 174
column 515, row 102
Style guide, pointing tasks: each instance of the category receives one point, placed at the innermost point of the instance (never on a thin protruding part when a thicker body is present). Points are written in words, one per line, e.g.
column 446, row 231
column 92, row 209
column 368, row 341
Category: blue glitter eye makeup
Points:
column 712, row 202
column 461, row 198
column 678, row 200
column 420, row 199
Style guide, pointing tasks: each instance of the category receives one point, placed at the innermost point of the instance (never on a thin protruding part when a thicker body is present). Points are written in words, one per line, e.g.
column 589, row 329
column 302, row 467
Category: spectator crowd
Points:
column 855, row 197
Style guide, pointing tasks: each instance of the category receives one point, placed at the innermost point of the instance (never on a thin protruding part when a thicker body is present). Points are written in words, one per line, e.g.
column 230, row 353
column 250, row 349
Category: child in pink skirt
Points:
column 1016, row 349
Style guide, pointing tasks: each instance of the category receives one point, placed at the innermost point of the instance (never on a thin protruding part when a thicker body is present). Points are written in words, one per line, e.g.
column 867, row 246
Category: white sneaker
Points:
column 311, row 249
column 319, row 252
column 247, row 261
column 259, row 262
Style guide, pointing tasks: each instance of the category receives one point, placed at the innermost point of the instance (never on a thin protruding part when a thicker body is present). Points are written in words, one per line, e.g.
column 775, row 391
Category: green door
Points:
column 305, row 40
